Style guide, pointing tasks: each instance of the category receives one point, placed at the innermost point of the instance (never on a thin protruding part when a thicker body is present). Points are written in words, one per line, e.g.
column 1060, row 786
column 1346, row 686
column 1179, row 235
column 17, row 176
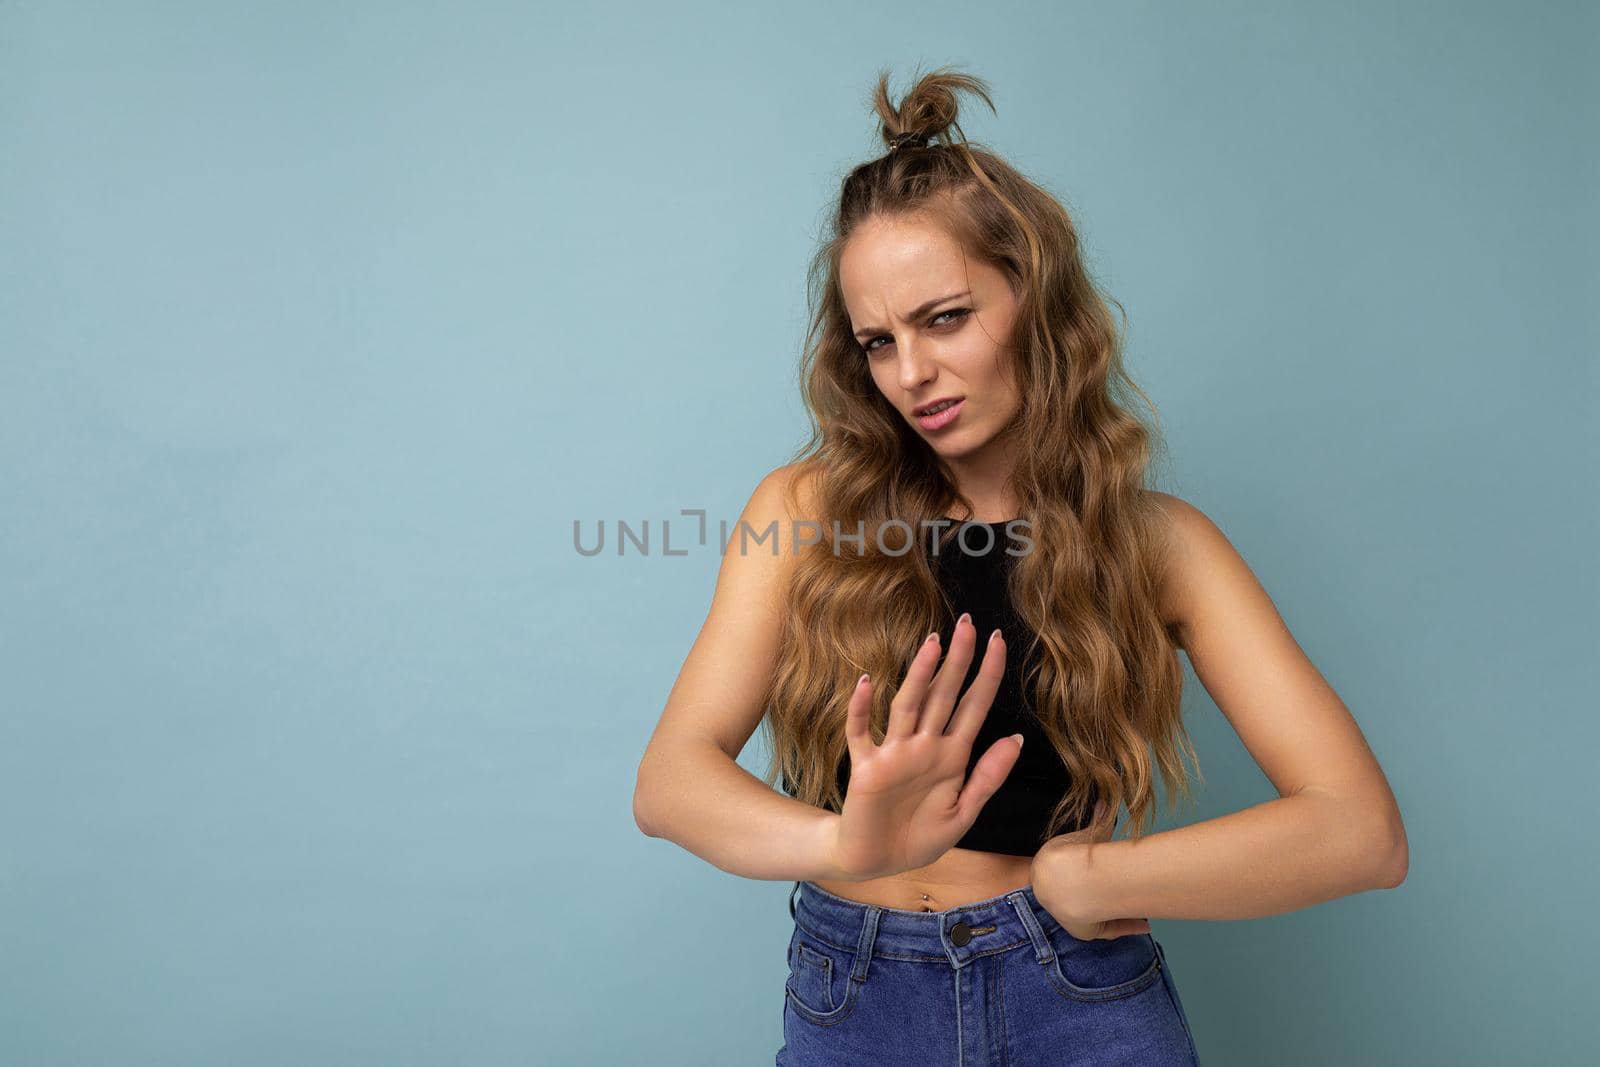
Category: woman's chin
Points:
column 956, row 445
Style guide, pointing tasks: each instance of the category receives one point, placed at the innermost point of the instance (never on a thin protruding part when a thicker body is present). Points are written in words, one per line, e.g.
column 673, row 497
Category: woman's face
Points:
column 930, row 323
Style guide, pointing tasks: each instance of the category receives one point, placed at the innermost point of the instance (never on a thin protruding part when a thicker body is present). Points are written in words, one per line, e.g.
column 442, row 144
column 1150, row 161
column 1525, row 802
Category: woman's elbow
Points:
column 640, row 819
column 1396, row 854
column 1399, row 865
column 644, row 806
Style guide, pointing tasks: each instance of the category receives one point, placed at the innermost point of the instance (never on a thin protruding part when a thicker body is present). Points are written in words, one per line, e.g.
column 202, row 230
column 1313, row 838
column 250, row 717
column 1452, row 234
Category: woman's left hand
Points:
column 1053, row 871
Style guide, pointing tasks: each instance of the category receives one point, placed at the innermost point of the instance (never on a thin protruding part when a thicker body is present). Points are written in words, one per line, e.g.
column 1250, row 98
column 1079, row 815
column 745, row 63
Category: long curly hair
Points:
column 1101, row 669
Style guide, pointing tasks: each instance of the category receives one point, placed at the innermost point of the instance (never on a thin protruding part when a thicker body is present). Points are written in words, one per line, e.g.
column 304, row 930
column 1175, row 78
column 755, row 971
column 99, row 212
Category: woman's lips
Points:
column 942, row 419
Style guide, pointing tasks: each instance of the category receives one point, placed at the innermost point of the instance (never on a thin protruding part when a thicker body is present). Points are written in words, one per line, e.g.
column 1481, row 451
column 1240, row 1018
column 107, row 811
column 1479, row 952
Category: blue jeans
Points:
column 993, row 983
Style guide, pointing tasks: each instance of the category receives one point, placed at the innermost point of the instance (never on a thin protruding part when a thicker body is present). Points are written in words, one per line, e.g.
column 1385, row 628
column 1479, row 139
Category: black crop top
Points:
column 1012, row 821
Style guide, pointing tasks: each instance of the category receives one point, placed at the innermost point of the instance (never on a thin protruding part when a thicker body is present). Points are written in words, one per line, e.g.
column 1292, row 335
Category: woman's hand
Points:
column 910, row 799
column 1054, row 867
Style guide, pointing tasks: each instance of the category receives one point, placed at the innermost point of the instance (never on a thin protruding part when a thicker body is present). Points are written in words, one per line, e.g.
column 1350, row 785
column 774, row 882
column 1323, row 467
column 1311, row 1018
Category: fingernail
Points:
column 931, row 637
column 964, row 618
column 861, row 679
column 995, row 637
column 1018, row 739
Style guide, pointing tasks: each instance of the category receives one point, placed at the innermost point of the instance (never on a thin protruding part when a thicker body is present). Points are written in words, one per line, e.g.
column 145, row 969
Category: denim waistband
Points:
column 954, row 935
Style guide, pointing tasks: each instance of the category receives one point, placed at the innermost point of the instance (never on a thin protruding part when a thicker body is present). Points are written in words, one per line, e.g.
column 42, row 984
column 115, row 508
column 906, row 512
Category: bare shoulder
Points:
column 1292, row 722
column 1181, row 520
column 784, row 498
column 789, row 492
column 1197, row 560
column 718, row 695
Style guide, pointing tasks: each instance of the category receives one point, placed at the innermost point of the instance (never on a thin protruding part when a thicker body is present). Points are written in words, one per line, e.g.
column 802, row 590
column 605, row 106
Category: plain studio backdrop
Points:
column 321, row 324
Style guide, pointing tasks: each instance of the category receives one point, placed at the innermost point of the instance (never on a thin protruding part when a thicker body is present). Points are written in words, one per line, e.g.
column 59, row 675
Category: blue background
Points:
column 320, row 324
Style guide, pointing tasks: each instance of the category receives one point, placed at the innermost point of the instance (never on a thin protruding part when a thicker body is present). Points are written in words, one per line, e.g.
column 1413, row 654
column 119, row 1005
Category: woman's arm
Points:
column 1334, row 829
column 689, row 788
column 695, row 795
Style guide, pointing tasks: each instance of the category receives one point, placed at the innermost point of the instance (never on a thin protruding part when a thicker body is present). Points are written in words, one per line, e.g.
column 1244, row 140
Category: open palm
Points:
column 910, row 799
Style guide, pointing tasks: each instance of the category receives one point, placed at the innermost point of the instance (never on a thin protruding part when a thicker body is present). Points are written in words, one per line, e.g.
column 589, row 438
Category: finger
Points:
column 974, row 705
column 858, row 719
column 906, row 707
column 986, row 778
column 1125, row 927
column 951, row 677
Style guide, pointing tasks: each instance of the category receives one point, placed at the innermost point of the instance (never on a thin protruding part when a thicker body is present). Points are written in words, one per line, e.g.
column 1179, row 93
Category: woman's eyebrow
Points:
column 917, row 314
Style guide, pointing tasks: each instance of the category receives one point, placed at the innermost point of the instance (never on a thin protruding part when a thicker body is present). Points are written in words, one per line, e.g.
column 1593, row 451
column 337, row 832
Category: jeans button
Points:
column 960, row 934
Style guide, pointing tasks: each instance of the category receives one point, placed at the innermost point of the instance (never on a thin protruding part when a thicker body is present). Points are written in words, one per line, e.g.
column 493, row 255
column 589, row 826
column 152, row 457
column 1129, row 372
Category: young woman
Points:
column 950, row 797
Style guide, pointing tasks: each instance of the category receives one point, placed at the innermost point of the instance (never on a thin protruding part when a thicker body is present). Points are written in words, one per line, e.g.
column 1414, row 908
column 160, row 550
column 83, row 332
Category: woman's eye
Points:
column 959, row 313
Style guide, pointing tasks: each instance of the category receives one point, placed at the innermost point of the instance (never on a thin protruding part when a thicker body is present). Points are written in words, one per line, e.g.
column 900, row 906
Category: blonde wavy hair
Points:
column 1101, row 668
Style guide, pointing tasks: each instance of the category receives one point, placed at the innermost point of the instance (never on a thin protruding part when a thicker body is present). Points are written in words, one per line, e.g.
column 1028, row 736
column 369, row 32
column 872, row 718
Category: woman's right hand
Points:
column 909, row 800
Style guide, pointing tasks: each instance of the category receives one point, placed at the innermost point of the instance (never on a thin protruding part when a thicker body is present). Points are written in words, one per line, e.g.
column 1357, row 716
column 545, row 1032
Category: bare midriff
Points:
column 961, row 876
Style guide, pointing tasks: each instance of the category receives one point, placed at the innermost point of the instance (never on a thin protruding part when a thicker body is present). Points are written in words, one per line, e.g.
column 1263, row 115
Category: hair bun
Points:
column 928, row 112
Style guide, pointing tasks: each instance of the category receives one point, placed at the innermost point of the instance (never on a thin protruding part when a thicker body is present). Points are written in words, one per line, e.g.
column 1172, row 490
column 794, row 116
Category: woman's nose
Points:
column 916, row 367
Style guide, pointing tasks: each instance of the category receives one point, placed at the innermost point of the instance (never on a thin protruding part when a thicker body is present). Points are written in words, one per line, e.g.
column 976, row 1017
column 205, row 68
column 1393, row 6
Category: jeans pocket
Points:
column 819, row 987
column 1102, row 968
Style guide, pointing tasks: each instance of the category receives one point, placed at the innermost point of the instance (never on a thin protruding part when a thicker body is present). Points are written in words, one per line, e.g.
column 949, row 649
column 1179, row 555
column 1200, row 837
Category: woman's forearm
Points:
column 696, row 796
column 1278, row 856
